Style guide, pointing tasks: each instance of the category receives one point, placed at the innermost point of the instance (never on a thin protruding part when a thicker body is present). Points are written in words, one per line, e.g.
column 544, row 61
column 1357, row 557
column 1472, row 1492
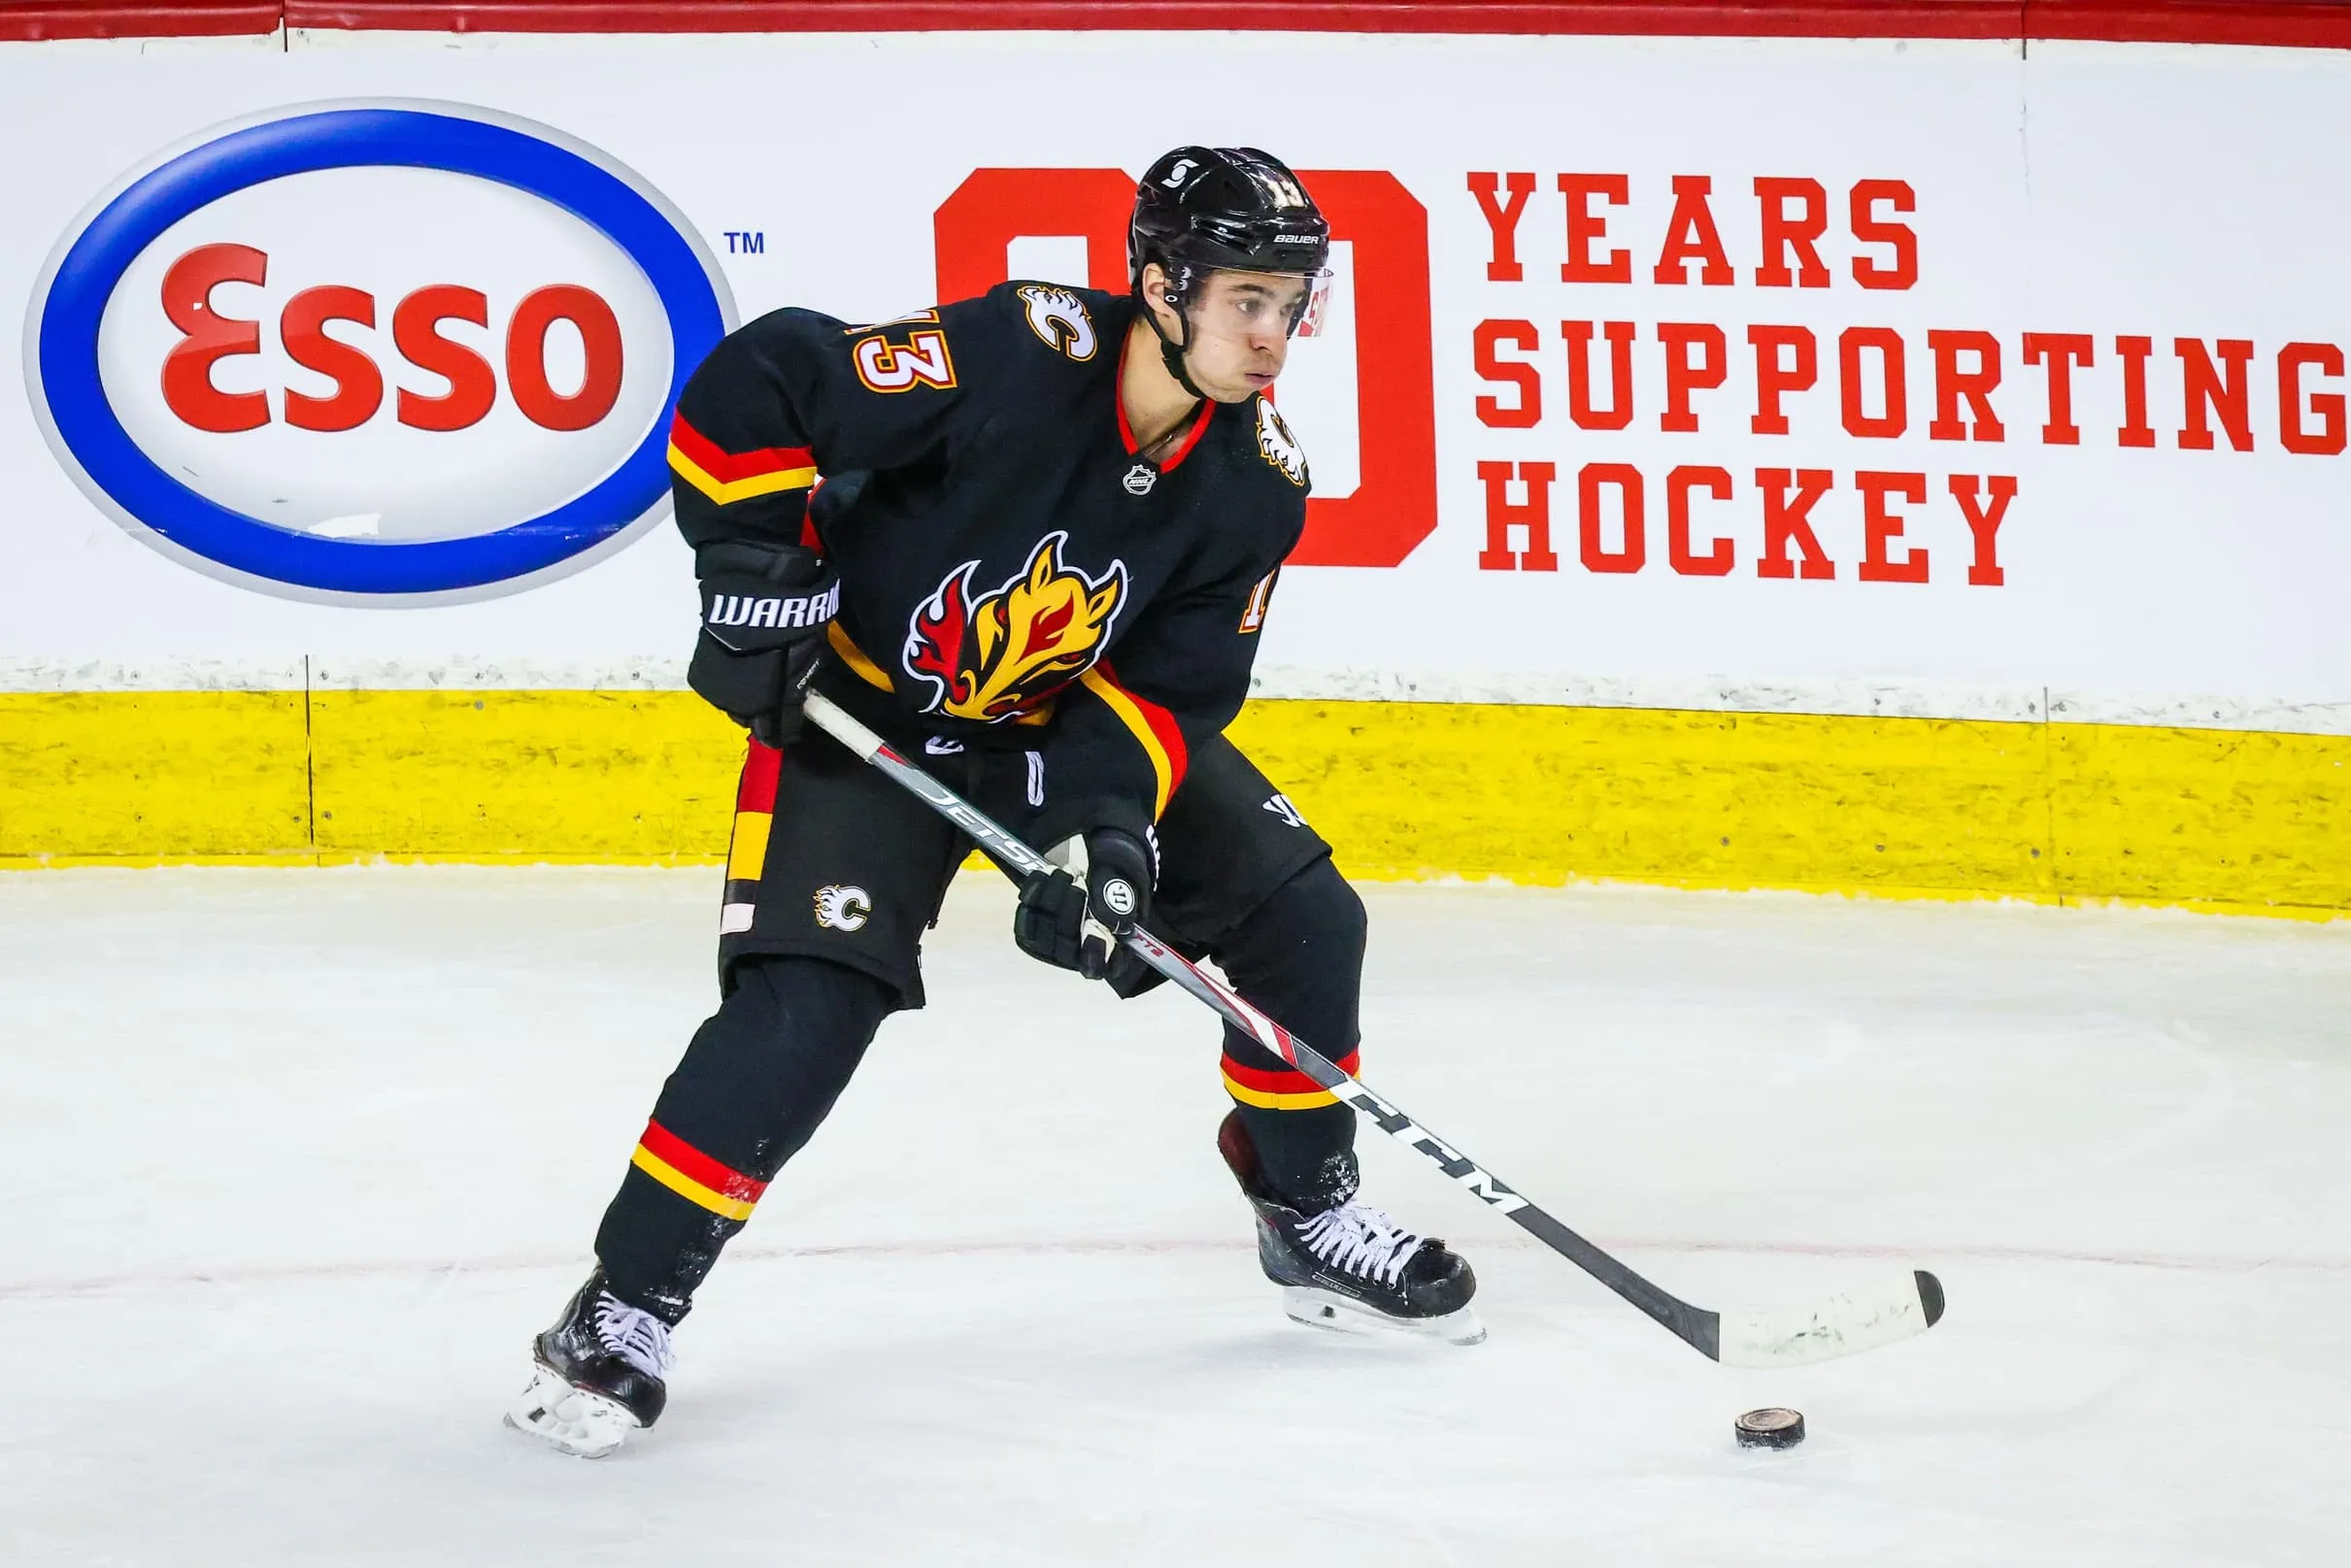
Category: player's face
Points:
column 1242, row 325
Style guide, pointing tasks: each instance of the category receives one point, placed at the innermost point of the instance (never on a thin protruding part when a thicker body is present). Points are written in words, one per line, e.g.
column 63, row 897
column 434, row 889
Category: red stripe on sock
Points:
column 1285, row 1081
column 688, row 1160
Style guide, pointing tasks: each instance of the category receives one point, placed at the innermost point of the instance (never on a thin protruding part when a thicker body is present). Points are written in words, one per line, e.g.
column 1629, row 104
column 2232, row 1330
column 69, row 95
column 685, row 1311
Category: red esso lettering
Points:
column 208, row 337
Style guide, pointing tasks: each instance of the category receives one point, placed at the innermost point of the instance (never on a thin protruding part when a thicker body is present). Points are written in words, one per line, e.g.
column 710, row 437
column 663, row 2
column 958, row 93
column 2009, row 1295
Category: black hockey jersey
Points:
column 1014, row 573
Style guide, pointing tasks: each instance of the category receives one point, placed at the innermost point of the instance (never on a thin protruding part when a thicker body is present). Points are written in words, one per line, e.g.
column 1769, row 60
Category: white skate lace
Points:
column 635, row 1336
column 1362, row 1240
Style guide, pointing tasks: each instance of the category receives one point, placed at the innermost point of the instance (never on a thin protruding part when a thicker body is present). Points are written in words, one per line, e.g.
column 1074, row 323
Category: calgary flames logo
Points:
column 843, row 909
column 1280, row 447
column 991, row 659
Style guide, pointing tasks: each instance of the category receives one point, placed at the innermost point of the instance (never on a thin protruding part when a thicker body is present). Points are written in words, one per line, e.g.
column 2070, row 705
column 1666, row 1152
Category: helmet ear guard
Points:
column 1180, row 281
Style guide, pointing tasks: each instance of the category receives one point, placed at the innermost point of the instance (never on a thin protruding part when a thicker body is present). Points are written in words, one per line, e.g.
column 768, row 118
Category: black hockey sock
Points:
column 758, row 1077
column 1299, row 957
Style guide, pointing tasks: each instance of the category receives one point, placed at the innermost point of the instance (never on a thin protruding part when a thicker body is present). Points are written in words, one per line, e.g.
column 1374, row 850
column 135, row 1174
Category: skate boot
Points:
column 599, row 1374
column 1346, row 1265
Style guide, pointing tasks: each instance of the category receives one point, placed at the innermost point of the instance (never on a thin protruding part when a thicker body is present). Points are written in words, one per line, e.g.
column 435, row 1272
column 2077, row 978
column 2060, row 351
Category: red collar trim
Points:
column 1199, row 424
column 1199, row 428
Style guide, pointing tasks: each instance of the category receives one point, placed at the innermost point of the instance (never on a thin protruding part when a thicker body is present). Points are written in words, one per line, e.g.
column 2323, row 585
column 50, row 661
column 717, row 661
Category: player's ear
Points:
column 1154, row 289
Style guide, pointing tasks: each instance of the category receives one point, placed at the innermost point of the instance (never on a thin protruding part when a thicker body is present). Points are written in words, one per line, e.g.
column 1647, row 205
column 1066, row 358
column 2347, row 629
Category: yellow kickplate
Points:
column 1893, row 806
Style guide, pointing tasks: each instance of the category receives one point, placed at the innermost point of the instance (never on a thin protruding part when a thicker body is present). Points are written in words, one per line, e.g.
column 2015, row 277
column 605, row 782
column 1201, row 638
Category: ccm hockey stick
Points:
column 1893, row 1308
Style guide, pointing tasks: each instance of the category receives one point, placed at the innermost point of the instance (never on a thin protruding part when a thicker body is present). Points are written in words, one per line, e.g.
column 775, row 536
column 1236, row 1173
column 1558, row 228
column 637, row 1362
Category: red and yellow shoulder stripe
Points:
column 1153, row 729
column 728, row 477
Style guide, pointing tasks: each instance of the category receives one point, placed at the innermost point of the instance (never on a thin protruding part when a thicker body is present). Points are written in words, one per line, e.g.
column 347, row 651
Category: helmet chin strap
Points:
column 1172, row 351
column 1173, row 358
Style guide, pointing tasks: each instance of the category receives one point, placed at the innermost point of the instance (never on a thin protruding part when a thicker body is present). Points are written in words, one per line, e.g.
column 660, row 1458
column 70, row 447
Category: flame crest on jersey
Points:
column 995, row 658
column 1280, row 447
column 1059, row 317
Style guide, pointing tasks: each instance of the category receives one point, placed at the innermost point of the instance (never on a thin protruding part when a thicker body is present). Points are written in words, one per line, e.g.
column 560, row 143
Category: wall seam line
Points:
column 2055, row 877
column 310, row 764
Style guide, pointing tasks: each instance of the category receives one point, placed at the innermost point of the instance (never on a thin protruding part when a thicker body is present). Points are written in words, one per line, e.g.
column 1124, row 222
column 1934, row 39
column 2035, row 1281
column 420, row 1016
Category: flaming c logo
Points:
column 994, row 658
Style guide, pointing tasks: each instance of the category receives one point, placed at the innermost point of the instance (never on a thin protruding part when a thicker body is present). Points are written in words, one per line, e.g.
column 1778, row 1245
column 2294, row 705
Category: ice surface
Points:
column 293, row 1162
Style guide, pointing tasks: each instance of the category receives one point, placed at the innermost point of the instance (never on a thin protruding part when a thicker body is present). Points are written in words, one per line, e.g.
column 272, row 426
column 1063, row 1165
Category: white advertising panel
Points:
column 1826, row 373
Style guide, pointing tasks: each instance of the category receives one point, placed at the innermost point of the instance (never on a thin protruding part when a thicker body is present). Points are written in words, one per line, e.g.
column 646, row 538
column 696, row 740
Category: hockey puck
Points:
column 1774, row 1428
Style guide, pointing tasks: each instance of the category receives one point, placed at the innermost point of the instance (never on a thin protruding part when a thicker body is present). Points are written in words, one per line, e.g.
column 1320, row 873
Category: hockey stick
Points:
column 1893, row 1308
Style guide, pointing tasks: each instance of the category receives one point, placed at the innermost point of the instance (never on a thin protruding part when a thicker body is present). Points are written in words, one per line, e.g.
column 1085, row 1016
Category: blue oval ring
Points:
column 340, row 139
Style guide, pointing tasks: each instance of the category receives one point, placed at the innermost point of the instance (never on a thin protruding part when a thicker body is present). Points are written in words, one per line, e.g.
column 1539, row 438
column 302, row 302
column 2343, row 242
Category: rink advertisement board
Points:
column 1812, row 376
column 492, row 483
column 1655, row 363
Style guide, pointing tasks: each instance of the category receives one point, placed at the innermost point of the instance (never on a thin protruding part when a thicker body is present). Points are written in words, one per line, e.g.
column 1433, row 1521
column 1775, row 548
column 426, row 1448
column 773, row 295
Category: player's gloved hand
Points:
column 765, row 611
column 1099, row 891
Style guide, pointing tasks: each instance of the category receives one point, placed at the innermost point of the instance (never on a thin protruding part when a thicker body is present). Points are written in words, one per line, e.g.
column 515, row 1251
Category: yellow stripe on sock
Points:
column 1265, row 1101
column 686, row 1187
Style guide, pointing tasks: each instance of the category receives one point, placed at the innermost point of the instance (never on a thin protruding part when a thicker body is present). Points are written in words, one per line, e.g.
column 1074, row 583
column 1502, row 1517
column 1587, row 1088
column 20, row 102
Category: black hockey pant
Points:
column 764, row 1070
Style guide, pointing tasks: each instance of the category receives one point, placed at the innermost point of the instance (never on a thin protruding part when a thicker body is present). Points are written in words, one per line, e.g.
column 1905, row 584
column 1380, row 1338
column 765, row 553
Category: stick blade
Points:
column 1895, row 1308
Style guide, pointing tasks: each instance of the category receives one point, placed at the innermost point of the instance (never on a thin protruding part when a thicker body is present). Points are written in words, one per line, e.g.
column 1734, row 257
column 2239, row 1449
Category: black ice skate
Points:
column 599, row 1376
column 1346, row 1265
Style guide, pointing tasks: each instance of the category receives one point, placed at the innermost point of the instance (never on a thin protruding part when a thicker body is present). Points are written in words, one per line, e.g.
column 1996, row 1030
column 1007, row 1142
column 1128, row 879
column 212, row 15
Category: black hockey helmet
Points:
column 1235, row 207
column 1209, row 209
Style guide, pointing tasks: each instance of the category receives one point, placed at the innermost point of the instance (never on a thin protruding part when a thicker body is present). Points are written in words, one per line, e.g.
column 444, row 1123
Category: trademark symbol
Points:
column 746, row 242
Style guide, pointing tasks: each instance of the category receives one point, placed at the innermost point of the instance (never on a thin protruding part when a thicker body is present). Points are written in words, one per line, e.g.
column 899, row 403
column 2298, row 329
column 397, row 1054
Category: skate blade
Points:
column 1344, row 1315
column 572, row 1420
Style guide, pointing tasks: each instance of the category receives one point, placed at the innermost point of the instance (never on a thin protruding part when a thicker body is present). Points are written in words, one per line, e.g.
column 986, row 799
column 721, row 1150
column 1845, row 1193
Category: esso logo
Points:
column 375, row 353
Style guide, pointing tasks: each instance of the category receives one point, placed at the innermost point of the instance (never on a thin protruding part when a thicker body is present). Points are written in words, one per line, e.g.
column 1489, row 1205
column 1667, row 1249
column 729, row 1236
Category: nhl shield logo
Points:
column 1140, row 478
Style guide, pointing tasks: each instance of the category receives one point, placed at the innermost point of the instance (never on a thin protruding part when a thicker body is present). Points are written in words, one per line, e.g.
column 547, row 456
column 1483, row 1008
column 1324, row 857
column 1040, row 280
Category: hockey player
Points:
column 1050, row 523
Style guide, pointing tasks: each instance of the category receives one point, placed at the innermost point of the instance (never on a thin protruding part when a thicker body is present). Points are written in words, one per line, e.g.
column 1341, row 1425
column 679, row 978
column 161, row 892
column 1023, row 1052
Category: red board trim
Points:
column 42, row 20
column 2282, row 23
column 1917, row 18
column 2302, row 24
column 2278, row 23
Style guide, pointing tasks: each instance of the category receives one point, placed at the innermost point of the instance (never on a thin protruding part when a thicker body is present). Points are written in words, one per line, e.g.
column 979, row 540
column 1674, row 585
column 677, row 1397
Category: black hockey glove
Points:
column 765, row 611
column 1099, row 891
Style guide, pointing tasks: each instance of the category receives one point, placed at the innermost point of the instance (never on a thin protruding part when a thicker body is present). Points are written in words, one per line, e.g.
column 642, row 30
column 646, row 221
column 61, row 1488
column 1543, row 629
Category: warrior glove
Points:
column 1098, row 890
column 765, row 611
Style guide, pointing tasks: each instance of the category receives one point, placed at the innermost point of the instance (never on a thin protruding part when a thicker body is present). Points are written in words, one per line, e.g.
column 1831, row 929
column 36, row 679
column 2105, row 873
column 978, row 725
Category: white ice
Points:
column 293, row 1162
